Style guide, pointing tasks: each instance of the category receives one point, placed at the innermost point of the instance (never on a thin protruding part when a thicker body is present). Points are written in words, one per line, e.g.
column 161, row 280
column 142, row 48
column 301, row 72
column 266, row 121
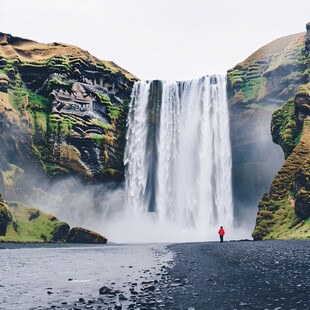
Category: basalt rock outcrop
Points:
column 62, row 112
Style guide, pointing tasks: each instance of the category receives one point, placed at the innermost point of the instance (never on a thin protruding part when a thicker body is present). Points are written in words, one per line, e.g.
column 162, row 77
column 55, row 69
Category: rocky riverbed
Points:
column 269, row 275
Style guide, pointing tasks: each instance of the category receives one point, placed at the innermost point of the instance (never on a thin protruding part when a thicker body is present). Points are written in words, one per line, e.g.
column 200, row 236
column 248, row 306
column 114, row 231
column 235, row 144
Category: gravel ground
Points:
column 269, row 275
column 240, row 275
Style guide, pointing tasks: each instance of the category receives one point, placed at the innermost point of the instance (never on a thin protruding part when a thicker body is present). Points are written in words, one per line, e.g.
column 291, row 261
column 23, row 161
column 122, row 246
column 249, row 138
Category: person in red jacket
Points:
column 222, row 233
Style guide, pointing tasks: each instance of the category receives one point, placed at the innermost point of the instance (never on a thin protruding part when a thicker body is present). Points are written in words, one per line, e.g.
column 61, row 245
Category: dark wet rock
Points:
column 82, row 300
column 122, row 297
column 49, row 292
column 149, row 288
column 82, row 235
column 106, row 291
column 302, row 204
column 133, row 292
column 118, row 306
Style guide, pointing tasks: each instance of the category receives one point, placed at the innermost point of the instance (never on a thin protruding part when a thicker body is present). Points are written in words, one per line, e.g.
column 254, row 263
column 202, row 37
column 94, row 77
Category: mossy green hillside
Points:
column 284, row 129
column 278, row 220
column 274, row 71
column 29, row 225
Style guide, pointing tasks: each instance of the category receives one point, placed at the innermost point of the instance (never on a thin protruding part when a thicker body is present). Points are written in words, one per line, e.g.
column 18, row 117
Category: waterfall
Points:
column 178, row 156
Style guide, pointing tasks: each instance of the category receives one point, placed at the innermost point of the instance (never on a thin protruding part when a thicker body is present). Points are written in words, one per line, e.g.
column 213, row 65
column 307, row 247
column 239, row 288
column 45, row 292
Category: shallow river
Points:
column 45, row 276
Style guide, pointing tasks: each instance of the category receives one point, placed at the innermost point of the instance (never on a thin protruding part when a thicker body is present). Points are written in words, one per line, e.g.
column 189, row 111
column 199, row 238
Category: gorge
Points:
column 157, row 164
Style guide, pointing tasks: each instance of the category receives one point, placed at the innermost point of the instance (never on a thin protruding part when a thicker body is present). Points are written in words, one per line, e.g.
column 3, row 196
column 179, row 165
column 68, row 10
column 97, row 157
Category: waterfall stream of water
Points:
column 178, row 156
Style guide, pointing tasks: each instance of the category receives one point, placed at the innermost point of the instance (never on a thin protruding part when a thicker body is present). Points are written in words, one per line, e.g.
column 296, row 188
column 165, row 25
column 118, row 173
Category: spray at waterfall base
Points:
column 178, row 170
column 178, row 156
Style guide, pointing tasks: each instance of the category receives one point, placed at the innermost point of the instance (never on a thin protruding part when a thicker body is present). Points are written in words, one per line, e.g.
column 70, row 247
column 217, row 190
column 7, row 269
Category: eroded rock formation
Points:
column 62, row 111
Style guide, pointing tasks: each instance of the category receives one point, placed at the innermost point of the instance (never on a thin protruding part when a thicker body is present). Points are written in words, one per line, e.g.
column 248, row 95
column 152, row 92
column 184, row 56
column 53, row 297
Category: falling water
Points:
column 178, row 156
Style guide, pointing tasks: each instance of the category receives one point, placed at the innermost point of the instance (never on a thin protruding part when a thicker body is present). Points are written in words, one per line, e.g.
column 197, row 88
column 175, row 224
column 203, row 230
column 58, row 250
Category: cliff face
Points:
column 285, row 212
column 257, row 87
column 62, row 112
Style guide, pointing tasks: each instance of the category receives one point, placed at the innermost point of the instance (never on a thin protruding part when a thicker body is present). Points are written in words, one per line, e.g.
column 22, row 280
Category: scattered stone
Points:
column 106, row 291
column 149, row 288
column 49, row 292
column 122, row 297
column 81, row 300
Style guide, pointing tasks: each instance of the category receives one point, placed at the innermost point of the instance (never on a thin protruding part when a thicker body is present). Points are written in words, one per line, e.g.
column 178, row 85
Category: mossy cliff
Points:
column 62, row 112
column 257, row 87
column 284, row 213
column 20, row 223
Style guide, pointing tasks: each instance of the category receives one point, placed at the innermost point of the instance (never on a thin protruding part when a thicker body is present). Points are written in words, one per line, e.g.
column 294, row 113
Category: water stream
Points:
column 178, row 158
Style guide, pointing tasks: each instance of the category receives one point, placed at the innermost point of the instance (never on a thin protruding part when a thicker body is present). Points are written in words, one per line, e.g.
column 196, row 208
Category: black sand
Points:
column 240, row 275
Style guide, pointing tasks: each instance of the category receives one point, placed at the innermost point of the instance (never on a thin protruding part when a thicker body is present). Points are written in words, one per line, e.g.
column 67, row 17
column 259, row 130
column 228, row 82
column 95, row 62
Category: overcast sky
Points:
column 159, row 39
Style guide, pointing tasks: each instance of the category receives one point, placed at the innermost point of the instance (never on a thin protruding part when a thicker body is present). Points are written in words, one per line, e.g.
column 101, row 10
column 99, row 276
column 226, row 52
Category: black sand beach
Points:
column 241, row 275
column 269, row 275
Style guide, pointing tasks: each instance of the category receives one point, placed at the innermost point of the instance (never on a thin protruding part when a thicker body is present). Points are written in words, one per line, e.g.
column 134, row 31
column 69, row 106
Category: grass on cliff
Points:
column 29, row 224
column 284, row 128
column 277, row 220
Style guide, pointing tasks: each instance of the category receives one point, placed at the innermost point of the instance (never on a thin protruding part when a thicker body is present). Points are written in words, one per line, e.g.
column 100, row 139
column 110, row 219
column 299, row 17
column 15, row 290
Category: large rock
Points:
column 82, row 235
column 60, row 232
column 302, row 204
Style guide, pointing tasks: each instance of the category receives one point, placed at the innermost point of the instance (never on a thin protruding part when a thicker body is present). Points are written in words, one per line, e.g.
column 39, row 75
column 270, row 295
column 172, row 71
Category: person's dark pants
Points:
column 222, row 238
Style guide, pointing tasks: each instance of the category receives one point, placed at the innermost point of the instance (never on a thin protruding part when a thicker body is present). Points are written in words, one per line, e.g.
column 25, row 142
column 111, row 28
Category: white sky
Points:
column 164, row 39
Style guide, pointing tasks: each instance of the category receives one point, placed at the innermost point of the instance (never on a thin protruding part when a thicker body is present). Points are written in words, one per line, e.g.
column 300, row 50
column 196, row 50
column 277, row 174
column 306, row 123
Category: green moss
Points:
column 54, row 170
column 284, row 128
column 29, row 225
column 280, row 223
column 60, row 124
column 58, row 84
column 101, row 124
column 103, row 99
column 114, row 112
column 99, row 138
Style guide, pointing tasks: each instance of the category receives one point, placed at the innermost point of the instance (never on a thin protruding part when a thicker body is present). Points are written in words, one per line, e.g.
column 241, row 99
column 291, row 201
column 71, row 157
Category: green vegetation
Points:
column 114, row 111
column 277, row 220
column 101, row 124
column 28, row 225
column 60, row 124
column 284, row 129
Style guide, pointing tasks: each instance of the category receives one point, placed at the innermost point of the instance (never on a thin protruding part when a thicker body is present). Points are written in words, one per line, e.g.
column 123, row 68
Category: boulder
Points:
column 302, row 204
column 82, row 235
column 60, row 231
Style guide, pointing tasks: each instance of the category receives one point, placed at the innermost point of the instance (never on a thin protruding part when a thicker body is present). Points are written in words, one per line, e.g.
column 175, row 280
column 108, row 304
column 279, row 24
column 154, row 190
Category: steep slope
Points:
column 62, row 112
column 285, row 212
column 257, row 87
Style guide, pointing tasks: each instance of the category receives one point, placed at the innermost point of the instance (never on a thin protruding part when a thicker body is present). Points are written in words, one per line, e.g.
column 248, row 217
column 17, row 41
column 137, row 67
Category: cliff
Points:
column 284, row 213
column 257, row 87
column 62, row 112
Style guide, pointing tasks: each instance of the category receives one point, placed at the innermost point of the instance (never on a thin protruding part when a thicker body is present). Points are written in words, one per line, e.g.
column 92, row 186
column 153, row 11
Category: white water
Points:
column 183, row 172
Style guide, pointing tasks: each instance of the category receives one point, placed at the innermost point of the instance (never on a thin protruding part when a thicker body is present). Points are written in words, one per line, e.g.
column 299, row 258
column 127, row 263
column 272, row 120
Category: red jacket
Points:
column 221, row 232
